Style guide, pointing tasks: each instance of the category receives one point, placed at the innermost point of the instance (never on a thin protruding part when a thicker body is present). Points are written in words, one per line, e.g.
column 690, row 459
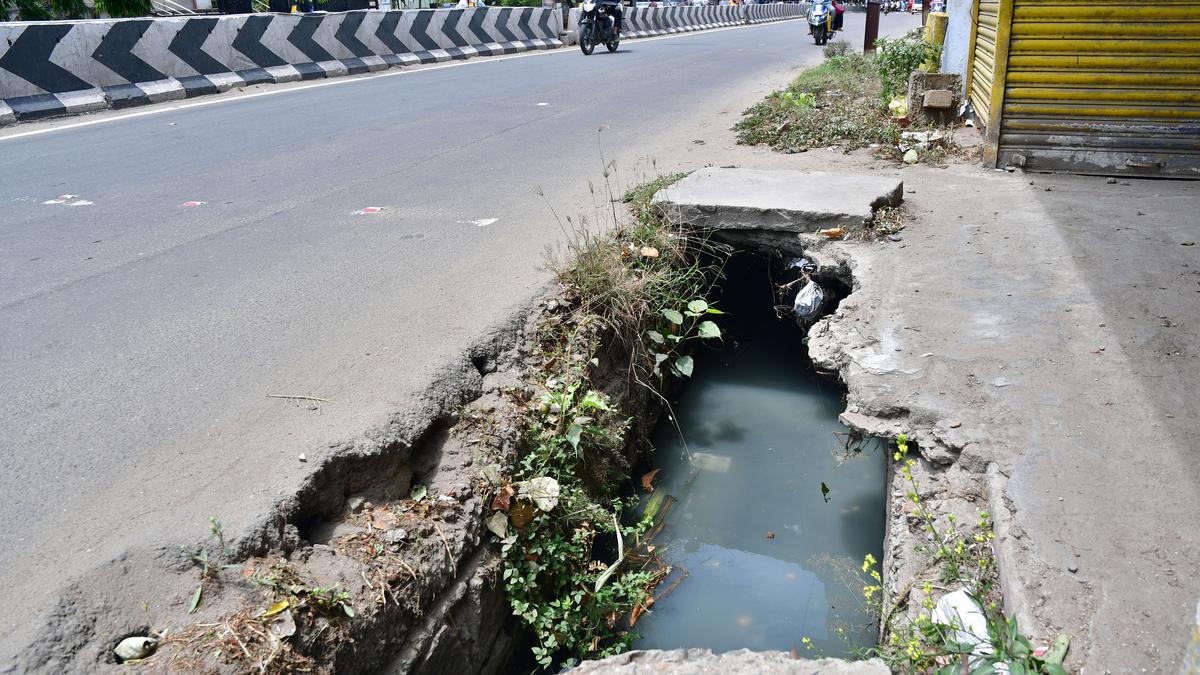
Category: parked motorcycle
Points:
column 820, row 21
column 597, row 26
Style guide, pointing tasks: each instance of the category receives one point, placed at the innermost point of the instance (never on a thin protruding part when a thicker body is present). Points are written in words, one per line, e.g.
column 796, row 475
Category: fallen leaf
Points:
column 833, row 232
column 503, row 498
column 382, row 519
column 521, row 514
column 795, row 653
column 418, row 492
column 648, row 480
column 196, row 599
column 491, row 473
column 649, row 252
column 276, row 608
column 825, row 492
column 498, row 524
column 770, row 535
column 639, row 610
column 543, row 490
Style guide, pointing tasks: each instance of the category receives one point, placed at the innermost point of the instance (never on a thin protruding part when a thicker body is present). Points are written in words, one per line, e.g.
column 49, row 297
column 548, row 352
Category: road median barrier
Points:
column 644, row 22
column 58, row 68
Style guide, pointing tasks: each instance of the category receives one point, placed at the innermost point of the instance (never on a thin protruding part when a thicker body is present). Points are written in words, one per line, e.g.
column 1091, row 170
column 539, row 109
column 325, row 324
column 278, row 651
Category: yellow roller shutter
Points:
column 1100, row 87
column 984, row 30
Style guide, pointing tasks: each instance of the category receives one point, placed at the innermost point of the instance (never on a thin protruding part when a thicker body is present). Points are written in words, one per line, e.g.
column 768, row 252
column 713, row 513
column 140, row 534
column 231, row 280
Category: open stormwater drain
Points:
column 767, row 517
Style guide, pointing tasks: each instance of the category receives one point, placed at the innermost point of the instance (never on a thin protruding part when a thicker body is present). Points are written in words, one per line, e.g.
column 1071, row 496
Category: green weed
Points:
column 574, row 574
column 962, row 558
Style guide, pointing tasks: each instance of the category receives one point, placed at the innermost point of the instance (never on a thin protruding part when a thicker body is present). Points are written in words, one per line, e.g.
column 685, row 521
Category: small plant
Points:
column 209, row 566
column 574, row 574
column 923, row 644
column 330, row 600
column 897, row 59
column 681, row 326
column 291, row 592
column 836, row 48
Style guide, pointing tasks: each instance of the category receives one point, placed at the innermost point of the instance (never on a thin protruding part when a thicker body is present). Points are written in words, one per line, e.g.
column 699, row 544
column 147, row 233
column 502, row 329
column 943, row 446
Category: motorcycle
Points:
column 597, row 26
column 820, row 22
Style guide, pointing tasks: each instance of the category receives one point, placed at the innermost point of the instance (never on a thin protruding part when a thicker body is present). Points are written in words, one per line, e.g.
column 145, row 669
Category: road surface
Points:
column 210, row 255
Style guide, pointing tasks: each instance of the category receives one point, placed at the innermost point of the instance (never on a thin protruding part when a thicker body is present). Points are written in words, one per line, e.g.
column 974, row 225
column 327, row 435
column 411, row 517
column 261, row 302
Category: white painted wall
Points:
column 958, row 38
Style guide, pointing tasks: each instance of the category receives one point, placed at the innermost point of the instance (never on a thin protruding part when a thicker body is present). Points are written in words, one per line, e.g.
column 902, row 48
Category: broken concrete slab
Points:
column 740, row 662
column 777, row 200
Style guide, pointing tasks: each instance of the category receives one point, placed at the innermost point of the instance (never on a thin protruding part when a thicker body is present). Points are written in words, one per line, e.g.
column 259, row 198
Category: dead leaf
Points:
column 649, row 252
column 795, row 653
column 636, row 614
column 833, row 232
column 498, row 524
column 503, row 498
column 770, row 535
column 648, row 480
column 521, row 513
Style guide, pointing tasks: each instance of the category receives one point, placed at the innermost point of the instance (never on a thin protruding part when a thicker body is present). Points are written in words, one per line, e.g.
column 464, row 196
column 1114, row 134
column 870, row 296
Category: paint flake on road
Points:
column 68, row 200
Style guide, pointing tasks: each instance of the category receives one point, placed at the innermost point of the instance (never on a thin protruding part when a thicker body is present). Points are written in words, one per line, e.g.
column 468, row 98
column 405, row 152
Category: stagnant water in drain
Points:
column 770, row 557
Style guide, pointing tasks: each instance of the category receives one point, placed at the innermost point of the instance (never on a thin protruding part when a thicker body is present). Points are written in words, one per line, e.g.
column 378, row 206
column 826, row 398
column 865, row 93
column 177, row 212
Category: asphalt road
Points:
column 140, row 337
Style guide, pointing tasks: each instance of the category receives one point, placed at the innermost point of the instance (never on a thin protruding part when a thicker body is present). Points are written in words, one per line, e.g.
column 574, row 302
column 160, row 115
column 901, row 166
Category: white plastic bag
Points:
column 808, row 301
column 968, row 626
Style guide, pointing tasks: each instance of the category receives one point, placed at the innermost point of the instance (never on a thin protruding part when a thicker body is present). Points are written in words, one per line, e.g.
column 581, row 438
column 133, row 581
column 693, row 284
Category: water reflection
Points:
column 767, row 557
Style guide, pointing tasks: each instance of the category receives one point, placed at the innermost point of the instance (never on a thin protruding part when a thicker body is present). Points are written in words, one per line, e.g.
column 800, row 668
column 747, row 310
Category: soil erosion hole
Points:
column 767, row 518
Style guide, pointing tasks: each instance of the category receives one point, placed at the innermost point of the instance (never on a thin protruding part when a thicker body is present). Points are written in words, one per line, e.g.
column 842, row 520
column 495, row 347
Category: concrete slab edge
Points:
column 119, row 97
column 1005, row 548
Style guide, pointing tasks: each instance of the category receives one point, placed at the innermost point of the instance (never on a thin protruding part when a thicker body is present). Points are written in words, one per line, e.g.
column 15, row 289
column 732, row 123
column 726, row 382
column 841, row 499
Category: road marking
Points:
column 68, row 200
column 155, row 109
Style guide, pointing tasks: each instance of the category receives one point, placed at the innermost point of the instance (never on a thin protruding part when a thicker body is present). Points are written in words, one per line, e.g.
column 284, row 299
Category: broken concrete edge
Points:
column 930, row 430
column 90, row 619
column 738, row 662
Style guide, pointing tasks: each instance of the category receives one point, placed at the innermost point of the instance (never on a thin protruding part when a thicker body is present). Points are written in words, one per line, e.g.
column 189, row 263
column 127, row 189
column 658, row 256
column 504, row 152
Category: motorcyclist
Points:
column 614, row 8
column 837, row 10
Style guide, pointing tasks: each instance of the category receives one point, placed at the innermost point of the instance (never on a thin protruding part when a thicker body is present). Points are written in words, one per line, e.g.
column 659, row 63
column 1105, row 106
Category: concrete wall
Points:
column 58, row 67
column 958, row 38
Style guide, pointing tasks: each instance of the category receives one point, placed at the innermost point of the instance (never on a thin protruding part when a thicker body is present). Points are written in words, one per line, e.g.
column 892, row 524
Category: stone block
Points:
column 778, row 200
column 938, row 98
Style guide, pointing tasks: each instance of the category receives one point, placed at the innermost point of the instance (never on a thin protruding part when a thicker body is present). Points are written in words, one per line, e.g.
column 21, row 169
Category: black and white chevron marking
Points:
column 652, row 21
column 54, row 69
